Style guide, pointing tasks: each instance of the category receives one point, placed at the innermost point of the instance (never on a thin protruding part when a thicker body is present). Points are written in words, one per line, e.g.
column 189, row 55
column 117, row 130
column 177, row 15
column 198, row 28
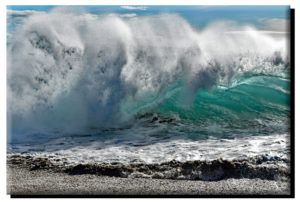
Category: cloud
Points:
column 128, row 15
column 22, row 13
column 16, row 16
column 275, row 24
column 135, row 7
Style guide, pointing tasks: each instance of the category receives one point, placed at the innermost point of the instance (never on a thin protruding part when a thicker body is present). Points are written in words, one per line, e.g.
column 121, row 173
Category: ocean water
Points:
column 119, row 88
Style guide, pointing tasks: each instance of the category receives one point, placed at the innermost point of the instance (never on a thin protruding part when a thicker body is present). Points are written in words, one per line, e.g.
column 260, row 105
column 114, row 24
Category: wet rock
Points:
column 254, row 167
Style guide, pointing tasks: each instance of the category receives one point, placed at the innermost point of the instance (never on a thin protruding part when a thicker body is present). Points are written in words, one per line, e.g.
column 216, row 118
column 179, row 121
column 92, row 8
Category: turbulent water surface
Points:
column 145, row 89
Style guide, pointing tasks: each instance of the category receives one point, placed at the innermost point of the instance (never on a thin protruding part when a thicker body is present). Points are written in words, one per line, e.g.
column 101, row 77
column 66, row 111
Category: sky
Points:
column 198, row 16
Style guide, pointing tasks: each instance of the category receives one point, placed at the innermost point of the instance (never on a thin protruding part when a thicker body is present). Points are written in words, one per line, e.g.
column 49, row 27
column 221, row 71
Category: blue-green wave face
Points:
column 87, row 73
column 248, row 105
column 255, row 97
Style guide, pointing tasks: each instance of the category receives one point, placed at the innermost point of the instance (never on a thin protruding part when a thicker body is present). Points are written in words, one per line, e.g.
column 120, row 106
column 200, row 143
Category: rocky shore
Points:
column 32, row 175
column 22, row 182
column 259, row 167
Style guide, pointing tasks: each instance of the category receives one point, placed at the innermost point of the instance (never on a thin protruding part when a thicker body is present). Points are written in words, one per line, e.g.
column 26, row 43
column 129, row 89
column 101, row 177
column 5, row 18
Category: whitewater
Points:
column 104, row 88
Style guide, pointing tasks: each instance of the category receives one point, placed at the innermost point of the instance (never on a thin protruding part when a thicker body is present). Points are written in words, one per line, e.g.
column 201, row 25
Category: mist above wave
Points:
column 69, row 71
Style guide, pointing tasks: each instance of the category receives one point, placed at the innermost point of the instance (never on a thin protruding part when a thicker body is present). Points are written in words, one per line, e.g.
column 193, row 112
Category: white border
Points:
column 4, row 3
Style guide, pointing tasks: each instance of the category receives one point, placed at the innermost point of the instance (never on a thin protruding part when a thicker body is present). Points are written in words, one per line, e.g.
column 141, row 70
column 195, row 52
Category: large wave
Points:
column 72, row 71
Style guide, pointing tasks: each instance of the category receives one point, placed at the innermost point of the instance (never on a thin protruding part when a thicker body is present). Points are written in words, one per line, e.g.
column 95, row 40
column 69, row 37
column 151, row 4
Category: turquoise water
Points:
column 251, row 104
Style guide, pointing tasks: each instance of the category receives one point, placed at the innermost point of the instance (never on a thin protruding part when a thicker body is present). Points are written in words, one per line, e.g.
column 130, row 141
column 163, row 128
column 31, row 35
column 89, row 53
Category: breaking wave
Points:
column 72, row 72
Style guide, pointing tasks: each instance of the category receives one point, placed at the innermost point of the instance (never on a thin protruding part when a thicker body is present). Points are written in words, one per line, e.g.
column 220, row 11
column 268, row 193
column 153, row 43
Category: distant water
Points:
column 148, row 89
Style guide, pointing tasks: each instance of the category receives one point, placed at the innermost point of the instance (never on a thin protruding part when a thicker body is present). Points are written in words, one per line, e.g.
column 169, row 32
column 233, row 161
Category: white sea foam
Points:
column 109, row 151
